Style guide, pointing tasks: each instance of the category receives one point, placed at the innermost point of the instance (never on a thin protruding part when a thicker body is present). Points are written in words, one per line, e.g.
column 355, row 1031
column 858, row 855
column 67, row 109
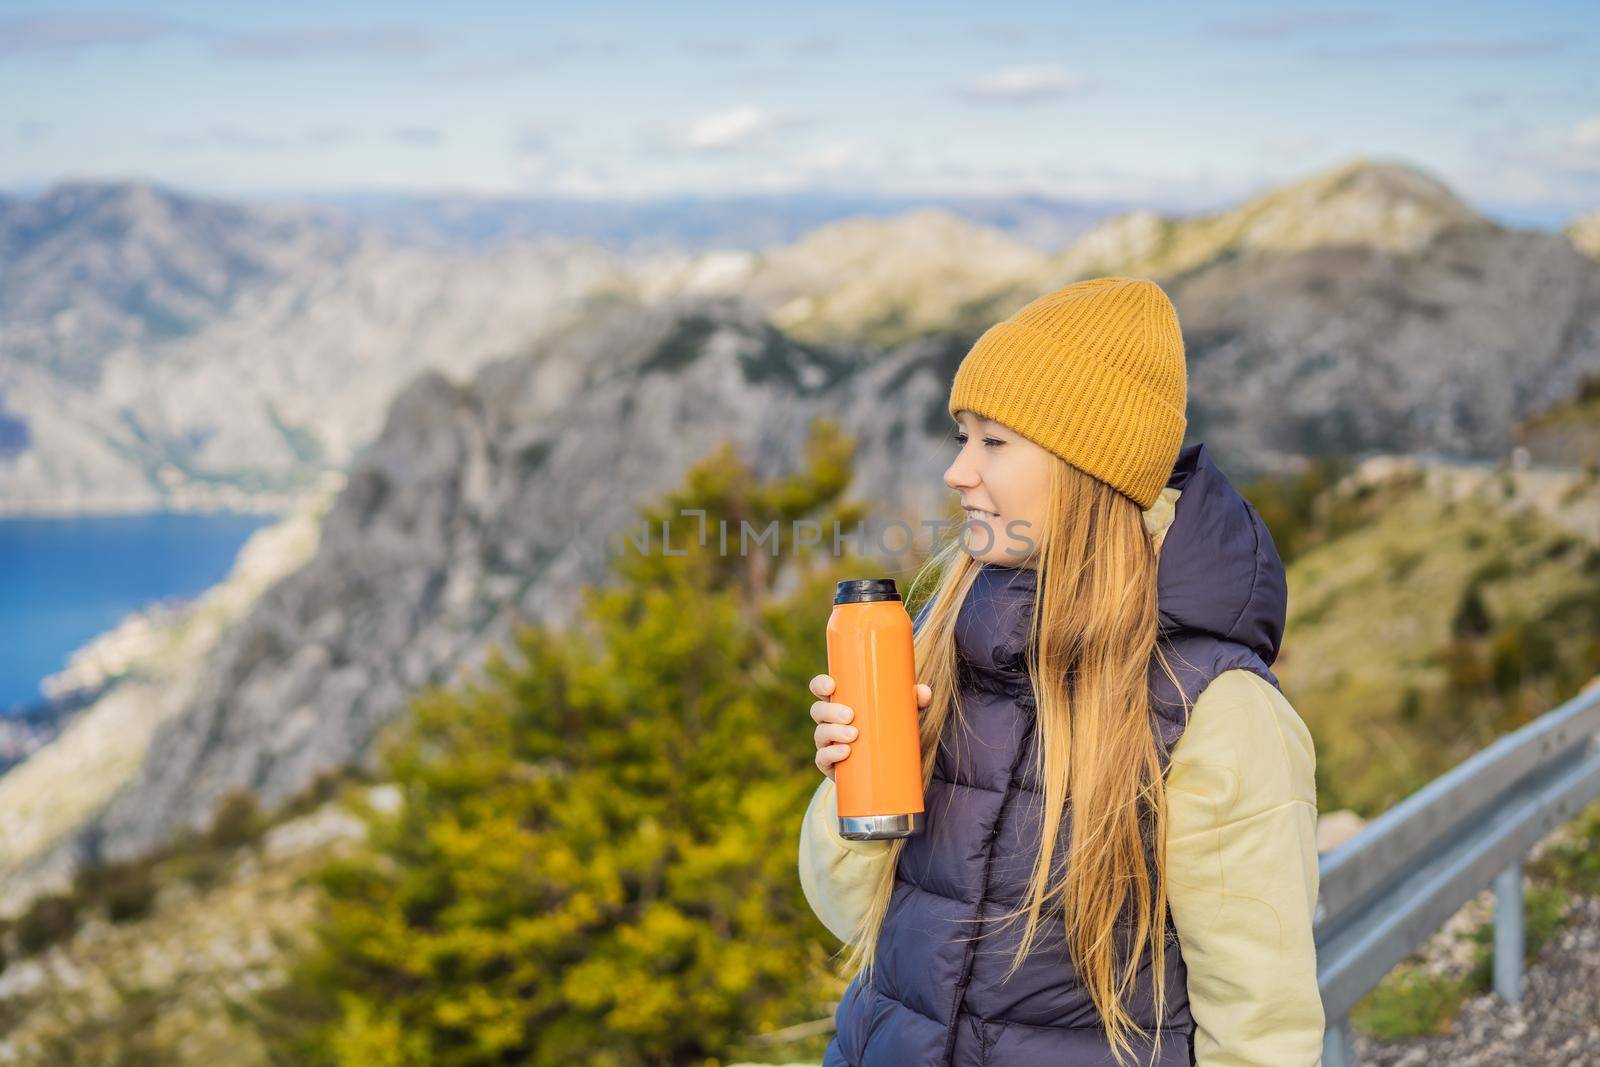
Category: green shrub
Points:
column 1574, row 864
column 1410, row 705
column 1297, row 508
column 1410, row 1002
column 1471, row 618
column 323, row 788
column 594, row 862
column 131, row 899
column 1507, row 661
column 203, row 869
column 1493, row 569
column 1402, row 563
column 127, row 890
column 48, row 920
column 238, row 820
column 1544, row 910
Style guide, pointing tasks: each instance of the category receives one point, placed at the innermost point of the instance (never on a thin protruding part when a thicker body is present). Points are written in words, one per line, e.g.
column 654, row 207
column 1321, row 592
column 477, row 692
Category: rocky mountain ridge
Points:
column 170, row 350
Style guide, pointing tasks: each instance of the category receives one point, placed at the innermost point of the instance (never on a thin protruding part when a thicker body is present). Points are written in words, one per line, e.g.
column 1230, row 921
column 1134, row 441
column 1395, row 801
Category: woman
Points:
column 1095, row 663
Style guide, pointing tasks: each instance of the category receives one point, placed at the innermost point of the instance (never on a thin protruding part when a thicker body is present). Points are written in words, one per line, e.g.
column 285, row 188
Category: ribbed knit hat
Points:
column 1093, row 372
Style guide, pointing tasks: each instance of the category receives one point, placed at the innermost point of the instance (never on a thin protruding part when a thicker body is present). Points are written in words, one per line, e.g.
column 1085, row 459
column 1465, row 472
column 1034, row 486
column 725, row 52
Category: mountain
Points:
column 166, row 349
column 496, row 499
column 693, row 224
column 1366, row 308
column 1356, row 349
column 178, row 351
column 92, row 268
column 1412, row 327
column 887, row 281
column 1385, row 206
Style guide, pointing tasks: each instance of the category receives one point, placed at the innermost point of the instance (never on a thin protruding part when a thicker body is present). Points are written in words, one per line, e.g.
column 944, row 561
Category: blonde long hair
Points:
column 1095, row 606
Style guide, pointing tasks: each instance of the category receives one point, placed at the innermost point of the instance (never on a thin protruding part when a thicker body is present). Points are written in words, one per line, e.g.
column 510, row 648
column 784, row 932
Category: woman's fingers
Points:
column 833, row 730
column 827, row 711
column 829, row 732
column 827, row 757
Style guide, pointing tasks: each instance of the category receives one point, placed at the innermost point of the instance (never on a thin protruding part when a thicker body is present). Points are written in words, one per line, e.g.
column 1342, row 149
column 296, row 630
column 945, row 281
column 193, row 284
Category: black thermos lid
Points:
column 860, row 590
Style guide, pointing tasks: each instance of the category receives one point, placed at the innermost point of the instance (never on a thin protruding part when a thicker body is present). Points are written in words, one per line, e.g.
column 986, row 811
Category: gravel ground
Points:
column 1556, row 1025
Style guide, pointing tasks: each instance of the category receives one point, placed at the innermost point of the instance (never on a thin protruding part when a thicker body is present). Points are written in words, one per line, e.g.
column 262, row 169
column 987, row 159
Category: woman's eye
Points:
column 962, row 439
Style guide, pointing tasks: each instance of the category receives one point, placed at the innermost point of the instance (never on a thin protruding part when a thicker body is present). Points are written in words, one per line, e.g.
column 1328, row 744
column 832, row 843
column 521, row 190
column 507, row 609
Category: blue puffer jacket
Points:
column 938, row 996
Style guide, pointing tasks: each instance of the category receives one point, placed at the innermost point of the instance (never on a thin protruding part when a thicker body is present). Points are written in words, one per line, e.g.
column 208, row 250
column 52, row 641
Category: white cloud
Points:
column 1024, row 83
column 1586, row 134
column 729, row 129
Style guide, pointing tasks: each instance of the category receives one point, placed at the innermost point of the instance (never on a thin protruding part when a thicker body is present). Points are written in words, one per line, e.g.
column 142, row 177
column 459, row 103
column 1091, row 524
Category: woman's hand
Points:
column 834, row 732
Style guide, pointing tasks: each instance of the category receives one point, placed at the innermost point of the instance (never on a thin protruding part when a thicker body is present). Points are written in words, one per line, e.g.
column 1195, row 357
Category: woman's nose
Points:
column 958, row 477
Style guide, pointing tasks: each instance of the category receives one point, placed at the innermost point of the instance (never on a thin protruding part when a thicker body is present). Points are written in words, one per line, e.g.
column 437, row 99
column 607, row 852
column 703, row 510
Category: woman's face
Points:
column 1002, row 478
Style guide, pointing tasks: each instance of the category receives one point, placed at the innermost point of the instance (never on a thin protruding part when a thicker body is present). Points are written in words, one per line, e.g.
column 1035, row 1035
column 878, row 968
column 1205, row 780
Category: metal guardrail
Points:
column 1388, row 889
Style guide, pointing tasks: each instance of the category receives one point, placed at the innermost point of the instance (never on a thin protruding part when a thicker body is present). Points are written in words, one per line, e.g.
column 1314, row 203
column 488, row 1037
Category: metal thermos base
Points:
column 876, row 827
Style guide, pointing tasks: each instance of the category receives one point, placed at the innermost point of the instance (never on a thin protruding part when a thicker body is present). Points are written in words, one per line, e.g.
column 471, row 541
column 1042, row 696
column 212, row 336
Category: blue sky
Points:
column 1182, row 106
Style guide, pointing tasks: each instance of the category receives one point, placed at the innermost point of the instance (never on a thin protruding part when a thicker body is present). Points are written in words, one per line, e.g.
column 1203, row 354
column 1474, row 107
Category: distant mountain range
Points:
column 1364, row 309
column 692, row 223
column 167, row 349
column 162, row 349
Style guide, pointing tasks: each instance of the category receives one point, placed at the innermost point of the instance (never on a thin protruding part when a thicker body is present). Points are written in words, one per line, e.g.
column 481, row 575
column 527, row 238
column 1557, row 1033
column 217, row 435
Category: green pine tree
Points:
column 595, row 859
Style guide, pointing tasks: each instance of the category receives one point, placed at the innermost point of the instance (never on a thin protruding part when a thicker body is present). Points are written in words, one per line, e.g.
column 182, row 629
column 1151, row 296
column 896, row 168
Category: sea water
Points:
column 65, row 580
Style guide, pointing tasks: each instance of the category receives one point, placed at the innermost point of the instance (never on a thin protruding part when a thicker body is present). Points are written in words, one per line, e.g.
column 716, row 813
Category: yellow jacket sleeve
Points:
column 1242, row 875
column 837, row 874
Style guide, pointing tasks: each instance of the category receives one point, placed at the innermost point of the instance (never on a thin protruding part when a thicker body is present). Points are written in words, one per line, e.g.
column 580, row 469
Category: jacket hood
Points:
column 1218, row 573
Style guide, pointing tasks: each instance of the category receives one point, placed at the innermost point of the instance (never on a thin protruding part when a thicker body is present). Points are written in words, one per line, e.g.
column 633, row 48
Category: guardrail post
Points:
column 1337, row 1048
column 1508, row 941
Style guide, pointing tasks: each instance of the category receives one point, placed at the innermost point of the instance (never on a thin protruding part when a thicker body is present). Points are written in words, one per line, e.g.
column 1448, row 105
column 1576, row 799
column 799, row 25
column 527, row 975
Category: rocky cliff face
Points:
column 1366, row 308
column 482, row 502
column 1353, row 349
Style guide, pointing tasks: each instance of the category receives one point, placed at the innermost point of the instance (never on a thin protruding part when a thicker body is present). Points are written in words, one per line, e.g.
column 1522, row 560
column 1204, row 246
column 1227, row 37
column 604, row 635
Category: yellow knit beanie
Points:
column 1093, row 372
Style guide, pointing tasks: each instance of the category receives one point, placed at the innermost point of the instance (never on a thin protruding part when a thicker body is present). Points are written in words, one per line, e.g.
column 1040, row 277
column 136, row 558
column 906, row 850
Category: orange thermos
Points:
column 873, row 665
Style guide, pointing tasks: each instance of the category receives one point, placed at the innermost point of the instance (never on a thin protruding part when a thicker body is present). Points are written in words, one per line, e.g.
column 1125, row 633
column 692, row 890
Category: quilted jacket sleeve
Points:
column 836, row 874
column 1242, row 875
